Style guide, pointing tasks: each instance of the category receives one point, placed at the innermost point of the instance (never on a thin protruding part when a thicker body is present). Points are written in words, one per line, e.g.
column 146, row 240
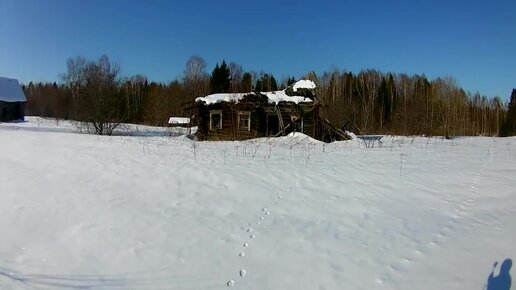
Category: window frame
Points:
column 294, row 118
column 248, row 127
column 215, row 112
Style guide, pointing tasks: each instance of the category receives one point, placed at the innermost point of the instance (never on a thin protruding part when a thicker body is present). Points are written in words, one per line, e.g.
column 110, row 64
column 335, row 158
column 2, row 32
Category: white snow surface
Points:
column 280, row 96
column 351, row 134
column 11, row 91
column 80, row 211
column 178, row 121
column 304, row 84
column 273, row 98
column 222, row 97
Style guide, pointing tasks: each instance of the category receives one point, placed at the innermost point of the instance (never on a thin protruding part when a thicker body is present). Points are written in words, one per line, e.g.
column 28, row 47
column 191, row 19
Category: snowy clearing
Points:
column 152, row 211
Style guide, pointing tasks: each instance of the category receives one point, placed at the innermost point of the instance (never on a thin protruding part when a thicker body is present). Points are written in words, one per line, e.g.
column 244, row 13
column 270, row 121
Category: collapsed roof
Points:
column 273, row 97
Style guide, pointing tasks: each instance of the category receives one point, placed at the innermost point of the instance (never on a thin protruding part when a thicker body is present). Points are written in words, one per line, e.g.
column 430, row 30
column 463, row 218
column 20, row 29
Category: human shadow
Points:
column 503, row 280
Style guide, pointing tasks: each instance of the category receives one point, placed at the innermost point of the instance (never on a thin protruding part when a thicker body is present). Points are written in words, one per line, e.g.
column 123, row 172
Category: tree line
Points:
column 369, row 102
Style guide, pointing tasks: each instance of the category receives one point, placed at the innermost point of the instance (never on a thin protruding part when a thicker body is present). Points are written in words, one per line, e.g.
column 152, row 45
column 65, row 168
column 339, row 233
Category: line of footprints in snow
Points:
column 264, row 213
column 445, row 232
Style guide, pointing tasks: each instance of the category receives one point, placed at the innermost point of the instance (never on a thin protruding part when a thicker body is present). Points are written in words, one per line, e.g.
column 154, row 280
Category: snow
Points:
column 280, row 96
column 178, row 121
column 304, row 84
column 222, row 97
column 274, row 98
column 351, row 135
column 11, row 91
column 80, row 211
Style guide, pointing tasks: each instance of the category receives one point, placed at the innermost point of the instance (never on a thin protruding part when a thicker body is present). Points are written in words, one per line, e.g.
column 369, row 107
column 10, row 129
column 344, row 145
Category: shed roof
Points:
column 281, row 96
column 11, row 91
column 273, row 97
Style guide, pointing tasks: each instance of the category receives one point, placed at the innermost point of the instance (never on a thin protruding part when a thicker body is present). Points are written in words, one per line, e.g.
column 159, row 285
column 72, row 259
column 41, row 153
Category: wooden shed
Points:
column 240, row 116
column 12, row 100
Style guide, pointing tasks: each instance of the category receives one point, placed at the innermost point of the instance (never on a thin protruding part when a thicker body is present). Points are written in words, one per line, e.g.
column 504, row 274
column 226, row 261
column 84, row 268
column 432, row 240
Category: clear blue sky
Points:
column 474, row 41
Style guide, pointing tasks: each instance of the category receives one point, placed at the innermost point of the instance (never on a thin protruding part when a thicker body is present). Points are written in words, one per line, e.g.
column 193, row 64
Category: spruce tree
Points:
column 508, row 127
column 291, row 81
column 247, row 83
column 267, row 82
column 220, row 80
column 382, row 102
column 273, row 83
column 259, row 86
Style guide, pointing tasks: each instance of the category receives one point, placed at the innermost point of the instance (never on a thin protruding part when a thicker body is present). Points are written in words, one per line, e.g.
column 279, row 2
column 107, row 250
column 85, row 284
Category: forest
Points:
column 367, row 102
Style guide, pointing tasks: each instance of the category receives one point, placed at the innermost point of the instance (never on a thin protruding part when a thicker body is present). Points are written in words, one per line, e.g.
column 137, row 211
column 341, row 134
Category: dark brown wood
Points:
column 267, row 120
column 12, row 111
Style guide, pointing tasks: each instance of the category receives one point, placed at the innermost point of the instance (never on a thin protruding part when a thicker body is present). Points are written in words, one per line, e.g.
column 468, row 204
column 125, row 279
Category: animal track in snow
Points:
column 446, row 231
column 242, row 273
column 249, row 229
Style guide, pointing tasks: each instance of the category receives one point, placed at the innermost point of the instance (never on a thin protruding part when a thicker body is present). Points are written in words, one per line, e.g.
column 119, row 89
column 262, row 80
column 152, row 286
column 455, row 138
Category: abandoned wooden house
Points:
column 240, row 116
column 12, row 100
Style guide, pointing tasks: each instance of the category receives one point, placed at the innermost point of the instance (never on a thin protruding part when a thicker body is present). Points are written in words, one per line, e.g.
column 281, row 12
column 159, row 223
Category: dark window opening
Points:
column 17, row 112
column 272, row 125
column 297, row 125
column 244, row 121
column 216, row 120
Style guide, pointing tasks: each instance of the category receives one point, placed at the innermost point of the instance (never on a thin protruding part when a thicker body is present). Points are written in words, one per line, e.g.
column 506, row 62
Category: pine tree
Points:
column 382, row 103
column 273, row 83
column 387, row 98
column 220, row 80
column 247, row 82
column 259, row 86
column 508, row 127
column 291, row 81
column 266, row 83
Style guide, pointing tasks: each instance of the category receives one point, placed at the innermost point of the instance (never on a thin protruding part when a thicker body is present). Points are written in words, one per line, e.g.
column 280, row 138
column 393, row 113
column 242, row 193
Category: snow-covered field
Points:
column 80, row 211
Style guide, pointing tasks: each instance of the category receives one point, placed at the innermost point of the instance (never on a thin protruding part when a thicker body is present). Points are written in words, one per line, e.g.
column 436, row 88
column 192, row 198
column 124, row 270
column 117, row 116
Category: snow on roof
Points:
column 281, row 96
column 223, row 97
column 274, row 98
column 303, row 84
column 178, row 121
column 11, row 91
